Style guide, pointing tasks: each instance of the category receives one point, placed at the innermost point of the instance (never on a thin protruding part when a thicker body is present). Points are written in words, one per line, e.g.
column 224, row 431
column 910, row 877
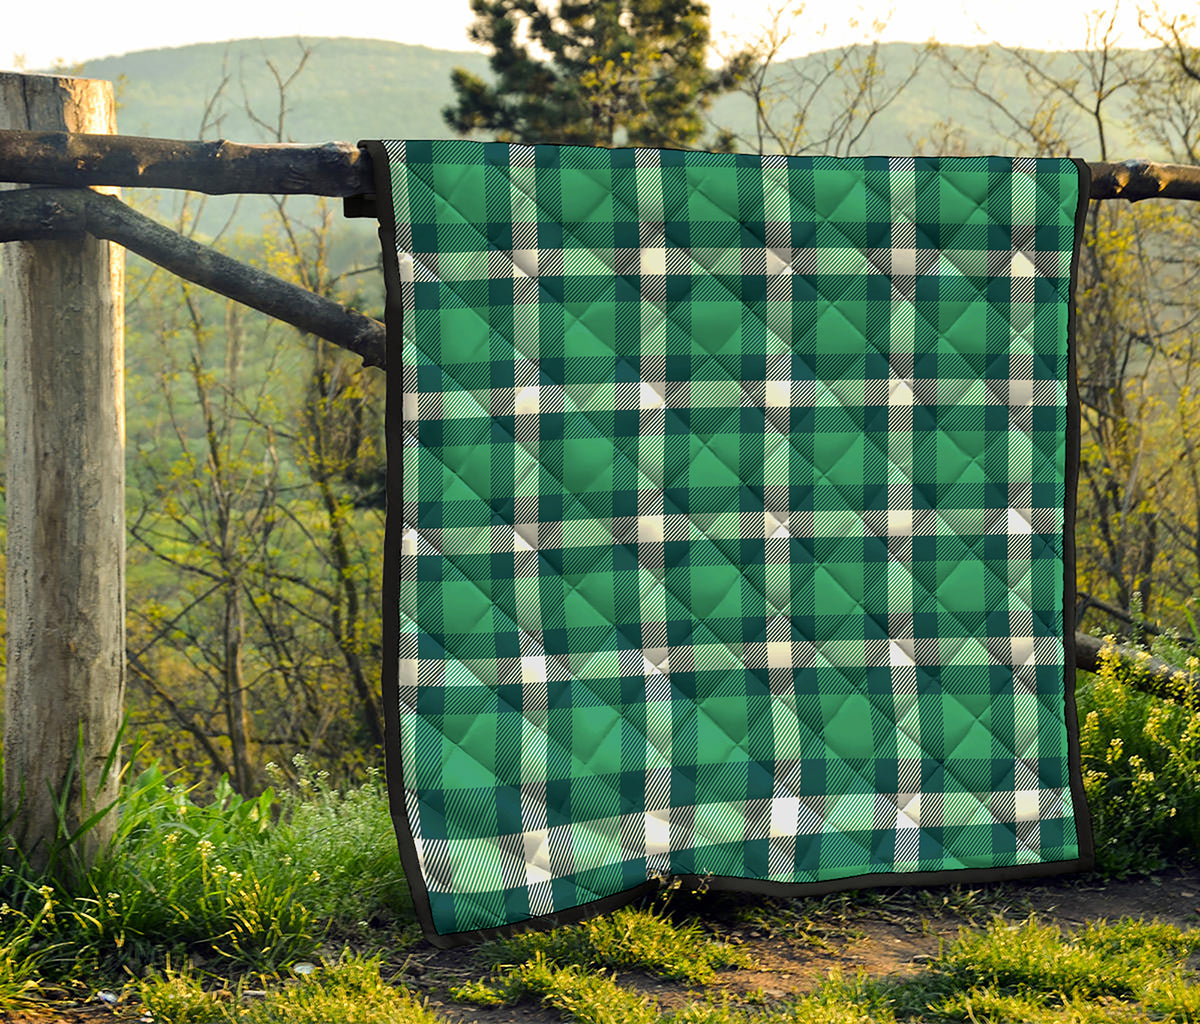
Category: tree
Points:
column 270, row 518
column 1138, row 521
column 617, row 72
column 341, row 420
column 824, row 103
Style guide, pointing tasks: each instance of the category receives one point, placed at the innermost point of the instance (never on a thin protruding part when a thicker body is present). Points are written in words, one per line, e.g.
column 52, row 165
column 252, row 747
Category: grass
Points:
column 1130, row 970
column 582, row 995
column 826, row 923
column 1027, row 971
column 251, row 883
column 348, row 991
column 630, row 938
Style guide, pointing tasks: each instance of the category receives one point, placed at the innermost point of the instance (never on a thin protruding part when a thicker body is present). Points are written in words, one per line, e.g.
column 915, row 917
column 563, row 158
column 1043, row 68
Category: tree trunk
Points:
column 238, row 714
column 64, row 392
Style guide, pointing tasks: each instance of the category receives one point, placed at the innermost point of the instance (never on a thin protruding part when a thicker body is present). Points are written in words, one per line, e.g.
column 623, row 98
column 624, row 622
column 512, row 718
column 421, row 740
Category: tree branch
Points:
column 1147, row 673
column 35, row 213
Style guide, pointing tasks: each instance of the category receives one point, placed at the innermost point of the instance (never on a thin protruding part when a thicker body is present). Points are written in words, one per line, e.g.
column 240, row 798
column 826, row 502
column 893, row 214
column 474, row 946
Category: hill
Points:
column 350, row 88
column 369, row 88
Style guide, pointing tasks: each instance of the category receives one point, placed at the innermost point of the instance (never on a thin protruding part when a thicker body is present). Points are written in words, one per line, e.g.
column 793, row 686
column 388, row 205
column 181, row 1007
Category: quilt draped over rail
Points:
column 729, row 530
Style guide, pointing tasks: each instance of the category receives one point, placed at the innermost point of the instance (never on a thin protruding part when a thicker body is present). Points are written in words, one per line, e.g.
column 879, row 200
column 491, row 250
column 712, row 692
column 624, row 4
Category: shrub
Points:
column 1141, row 765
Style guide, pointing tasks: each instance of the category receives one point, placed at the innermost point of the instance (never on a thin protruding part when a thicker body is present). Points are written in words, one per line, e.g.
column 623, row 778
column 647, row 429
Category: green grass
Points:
column 345, row 836
column 1130, row 970
column 584, row 996
column 826, row 923
column 630, row 938
column 1026, row 971
column 252, row 884
column 1119, row 960
column 348, row 991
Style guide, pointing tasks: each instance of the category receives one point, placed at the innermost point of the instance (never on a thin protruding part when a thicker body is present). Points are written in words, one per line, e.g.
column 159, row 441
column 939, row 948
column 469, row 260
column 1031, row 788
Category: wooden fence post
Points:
column 64, row 396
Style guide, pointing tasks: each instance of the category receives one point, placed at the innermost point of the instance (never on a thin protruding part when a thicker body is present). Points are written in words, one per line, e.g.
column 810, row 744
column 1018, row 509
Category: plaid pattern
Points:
column 733, row 519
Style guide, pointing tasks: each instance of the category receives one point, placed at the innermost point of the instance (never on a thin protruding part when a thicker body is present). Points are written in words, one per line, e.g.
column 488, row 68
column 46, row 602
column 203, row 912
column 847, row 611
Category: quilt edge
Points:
column 1080, row 810
column 393, row 530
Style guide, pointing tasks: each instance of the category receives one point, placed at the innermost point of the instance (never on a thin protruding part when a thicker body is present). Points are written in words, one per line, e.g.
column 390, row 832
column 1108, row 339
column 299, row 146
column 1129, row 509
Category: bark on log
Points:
column 342, row 169
column 1154, row 675
column 1135, row 180
column 65, row 434
column 50, row 213
column 217, row 168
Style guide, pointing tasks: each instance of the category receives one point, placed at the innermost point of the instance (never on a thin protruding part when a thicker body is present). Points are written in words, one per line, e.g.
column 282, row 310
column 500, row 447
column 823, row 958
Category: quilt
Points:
column 729, row 528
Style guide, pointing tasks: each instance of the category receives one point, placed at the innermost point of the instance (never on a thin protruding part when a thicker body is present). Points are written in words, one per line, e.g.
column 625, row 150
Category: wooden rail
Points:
column 39, row 213
column 343, row 169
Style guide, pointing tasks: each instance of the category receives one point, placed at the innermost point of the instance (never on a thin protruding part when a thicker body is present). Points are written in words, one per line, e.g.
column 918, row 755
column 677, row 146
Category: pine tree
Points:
column 616, row 72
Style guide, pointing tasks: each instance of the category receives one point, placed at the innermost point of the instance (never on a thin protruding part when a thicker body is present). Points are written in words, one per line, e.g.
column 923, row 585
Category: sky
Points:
column 77, row 34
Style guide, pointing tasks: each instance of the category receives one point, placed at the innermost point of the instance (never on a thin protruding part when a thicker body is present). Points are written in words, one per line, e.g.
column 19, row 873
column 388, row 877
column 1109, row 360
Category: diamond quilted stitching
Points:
column 689, row 602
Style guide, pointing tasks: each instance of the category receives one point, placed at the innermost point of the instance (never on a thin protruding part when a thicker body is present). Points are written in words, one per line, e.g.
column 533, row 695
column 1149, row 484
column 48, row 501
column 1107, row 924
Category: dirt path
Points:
column 892, row 938
column 888, row 933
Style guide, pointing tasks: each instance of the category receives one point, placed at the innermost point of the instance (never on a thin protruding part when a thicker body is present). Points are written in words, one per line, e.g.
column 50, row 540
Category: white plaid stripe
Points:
column 549, row 853
column 775, row 395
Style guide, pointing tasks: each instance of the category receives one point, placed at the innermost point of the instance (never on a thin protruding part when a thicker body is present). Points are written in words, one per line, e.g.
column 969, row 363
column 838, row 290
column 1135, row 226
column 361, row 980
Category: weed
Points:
column 23, row 949
column 196, row 873
column 346, row 837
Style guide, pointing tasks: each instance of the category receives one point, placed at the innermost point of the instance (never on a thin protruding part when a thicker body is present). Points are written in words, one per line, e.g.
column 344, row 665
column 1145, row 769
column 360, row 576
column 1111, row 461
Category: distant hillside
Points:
column 350, row 88
column 367, row 88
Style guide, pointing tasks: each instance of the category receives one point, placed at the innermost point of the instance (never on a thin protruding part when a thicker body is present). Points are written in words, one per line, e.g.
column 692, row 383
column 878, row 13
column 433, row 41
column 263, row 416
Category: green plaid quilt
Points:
column 729, row 523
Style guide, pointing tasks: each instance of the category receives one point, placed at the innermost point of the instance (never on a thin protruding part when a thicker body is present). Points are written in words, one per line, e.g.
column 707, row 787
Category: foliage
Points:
column 1140, row 456
column 253, row 883
column 1141, row 766
column 617, row 72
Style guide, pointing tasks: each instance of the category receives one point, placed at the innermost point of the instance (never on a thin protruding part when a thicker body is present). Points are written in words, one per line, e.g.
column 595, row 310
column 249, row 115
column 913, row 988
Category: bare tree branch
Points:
column 1135, row 180
column 47, row 213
